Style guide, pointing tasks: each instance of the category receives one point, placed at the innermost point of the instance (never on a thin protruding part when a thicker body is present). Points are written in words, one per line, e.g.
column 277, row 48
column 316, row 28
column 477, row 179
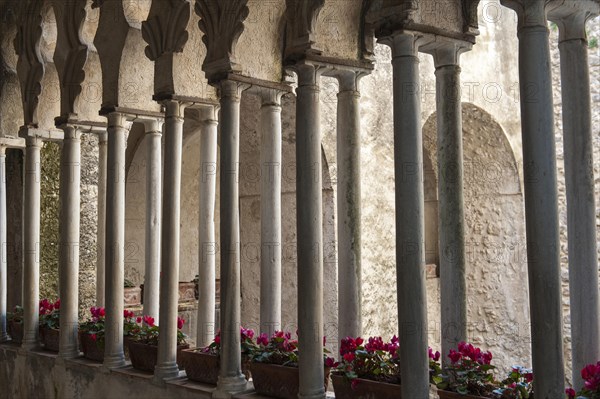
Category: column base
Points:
column 228, row 386
column 4, row 337
column 322, row 395
column 30, row 345
column 165, row 371
column 114, row 361
column 69, row 353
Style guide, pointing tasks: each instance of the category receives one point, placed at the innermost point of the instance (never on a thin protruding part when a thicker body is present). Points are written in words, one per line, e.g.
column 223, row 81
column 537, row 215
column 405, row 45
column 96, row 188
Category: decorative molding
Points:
column 470, row 19
column 222, row 23
column 165, row 30
column 301, row 17
column 71, row 53
column 30, row 66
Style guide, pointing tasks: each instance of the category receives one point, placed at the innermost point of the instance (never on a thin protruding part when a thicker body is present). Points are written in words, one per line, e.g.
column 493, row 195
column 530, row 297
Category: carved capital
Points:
column 446, row 51
column 71, row 53
column 232, row 89
column 175, row 109
column 406, row 43
column 30, row 66
column 531, row 14
column 571, row 17
column 165, row 29
column 222, row 23
column 301, row 16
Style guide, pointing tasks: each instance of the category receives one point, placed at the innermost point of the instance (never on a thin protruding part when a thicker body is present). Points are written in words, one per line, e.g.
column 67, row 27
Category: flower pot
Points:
column 364, row 389
column 91, row 348
column 15, row 330
column 455, row 395
column 132, row 296
column 144, row 357
column 204, row 367
column 278, row 381
column 50, row 337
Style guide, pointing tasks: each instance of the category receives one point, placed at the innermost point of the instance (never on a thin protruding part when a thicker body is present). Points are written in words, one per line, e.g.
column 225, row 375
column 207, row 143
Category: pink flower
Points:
column 149, row 321
column 570, row 393
column 454, row 356
column 57, row 304
column 486, row 357
column 93, row 337
column 434, row 356
column 349, row 357
column 263, row 339
column 180, row 323
column 330, row 362
column 218, row 338
column 128, row 314
column 138, row 319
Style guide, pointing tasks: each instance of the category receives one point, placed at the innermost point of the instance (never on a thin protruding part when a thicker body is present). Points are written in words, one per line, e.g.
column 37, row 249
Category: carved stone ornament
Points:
column 165, row 31
column 301, row 16
column 30, row 66
column 222, row 23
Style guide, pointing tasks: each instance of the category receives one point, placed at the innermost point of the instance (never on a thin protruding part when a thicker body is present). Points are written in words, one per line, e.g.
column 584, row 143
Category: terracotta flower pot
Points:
column 364, row 389
column 204, row 367
column 278, row 381
column 144, row 357
column 15, row 330
column 91, row 348
column 50, row 337
column 455, row 395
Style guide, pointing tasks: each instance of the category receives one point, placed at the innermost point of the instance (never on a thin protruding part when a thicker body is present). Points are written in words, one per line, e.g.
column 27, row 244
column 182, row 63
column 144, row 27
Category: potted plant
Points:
column 91, row 332
column 468, row 376
column 132, row 295
column 367, row 370
column 274, row 366
column 591, row 388
column 14, row 322
column 517, row 385
column 202, row 364
column 49, row 324
column 143, row 343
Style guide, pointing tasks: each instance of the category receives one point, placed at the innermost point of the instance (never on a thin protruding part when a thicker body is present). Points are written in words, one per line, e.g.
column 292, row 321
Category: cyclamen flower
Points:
column 180, row 323
column 263, row 339
column 149, row 321
column 330, row 362
column 138, row 319
column 246, row 333
column 591, row 376
column 128, row 314
column 93, row 337
column 349, row 357
column 57, row 304
column 434, row 356
column 454, row 356
column 570, row 393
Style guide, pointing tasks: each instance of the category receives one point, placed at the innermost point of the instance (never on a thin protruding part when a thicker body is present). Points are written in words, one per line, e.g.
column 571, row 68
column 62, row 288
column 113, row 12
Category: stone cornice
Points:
column 30, row 66
column 222, row 23
column 301, row 16
column 28, row 133
column 12, row 142
column 82, row 126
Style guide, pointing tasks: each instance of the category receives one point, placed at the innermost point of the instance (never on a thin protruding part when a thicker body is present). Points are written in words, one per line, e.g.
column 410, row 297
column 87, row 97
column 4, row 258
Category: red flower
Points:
column 149, row 321
column 570, row 393
column 93, row 337
column 330, row 362
column 434, row 356
column 138, row 319
column 128, row 314
column 263, row 339
column 349, row 357
column 454, row 356
column 57, row 304
column 218, row 338
column 180, row 323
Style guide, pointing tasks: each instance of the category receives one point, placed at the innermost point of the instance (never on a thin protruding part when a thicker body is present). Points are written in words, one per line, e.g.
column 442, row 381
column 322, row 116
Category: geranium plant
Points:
column 247, row 343
column 591, row 388
column 281, row 349
column 372, row 360
column 49, row 314
column 517, row 385
column 146, row 332
column 469, row 373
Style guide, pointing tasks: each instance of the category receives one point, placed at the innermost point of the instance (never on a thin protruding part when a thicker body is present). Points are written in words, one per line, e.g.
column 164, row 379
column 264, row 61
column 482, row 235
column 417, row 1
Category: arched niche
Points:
column 496, row 272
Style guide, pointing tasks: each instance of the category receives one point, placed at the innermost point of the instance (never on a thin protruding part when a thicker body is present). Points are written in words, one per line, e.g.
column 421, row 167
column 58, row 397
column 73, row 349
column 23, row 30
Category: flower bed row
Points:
column 366, row 368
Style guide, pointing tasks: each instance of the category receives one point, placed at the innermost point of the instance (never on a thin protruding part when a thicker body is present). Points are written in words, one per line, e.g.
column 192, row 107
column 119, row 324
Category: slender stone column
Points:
column 3, row 245
column 31, row 242
column 450, row 191
column 115, row 240
column 541, row 204
column 581, row 202
column 231, row 378
column 410, row 211
column 205, row 330
column 153, row 215
column 309, row 197
column 101, row 233
column 166, row 366
column 270, row 212
column 349, row 207
column 68, row 262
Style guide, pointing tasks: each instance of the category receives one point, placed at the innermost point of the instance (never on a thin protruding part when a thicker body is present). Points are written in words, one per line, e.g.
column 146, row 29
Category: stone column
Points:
column 349, row 206
column 270, row 211
column 410, row 211
column 205, row 330
column 31, row 242
column 153, row 215
column 69, row 219
column 166, row 366
column 541, row 204
column 3, row 245
column 309, row 197
column 231, row 378
column 115, row 240
column 581, row 203
column 453, row 287
column 101, row 233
